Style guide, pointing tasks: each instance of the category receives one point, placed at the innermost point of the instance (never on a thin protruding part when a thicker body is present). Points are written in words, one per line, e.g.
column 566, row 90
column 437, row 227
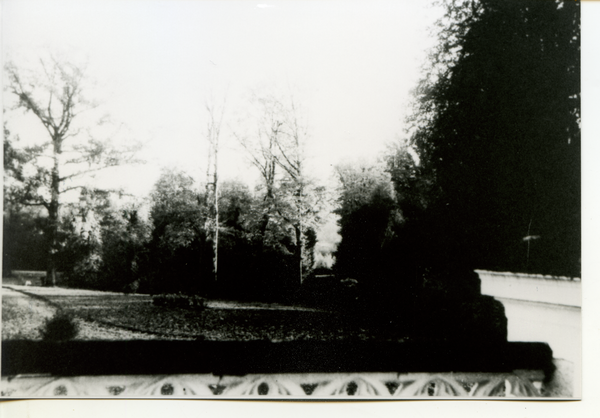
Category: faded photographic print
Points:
column 291, row 200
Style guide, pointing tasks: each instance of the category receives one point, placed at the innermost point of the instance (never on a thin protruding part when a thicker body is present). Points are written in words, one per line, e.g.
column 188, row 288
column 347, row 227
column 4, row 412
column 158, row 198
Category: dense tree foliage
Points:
column 23, row 240
column 367, row 211
column 180, row 254
column 386, row 277
column 253, row 263
column 258, row 260
column 496, row 126
column 380, row 209
column 102, row 245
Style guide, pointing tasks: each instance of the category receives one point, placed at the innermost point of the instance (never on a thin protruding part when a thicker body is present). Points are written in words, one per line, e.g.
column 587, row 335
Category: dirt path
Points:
column 216, row 304
column 24, row 316
column 225, row 304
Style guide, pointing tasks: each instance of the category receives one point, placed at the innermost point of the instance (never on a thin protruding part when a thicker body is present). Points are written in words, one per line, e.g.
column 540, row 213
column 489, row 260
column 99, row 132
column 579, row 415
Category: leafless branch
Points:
column 71, row 188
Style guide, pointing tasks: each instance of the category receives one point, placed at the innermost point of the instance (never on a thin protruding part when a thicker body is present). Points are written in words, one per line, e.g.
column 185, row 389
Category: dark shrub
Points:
column 60, row 327
column 329, row 293
column 180, row 300
column 483, row 316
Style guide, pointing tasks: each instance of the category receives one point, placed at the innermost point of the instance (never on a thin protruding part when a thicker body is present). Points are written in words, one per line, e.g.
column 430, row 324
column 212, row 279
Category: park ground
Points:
column 27, row 309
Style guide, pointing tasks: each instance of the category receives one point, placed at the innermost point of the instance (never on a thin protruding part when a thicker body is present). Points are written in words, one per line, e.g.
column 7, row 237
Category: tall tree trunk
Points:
column 53, row 213
column 298, row 226
column 216, row 212
column 212, row 184
column 212, row 199
column 269, row 197
column 299, row 249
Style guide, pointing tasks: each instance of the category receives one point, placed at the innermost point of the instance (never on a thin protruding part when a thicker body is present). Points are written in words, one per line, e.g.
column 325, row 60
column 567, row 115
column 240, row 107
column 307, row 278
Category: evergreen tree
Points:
column 497, row 126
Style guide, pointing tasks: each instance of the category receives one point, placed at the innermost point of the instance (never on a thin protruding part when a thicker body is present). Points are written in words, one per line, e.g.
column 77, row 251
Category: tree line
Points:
column 220, row 237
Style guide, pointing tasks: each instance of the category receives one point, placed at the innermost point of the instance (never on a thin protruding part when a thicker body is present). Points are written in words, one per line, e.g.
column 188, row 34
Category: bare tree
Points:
column 212, row 180
column 54, row 95
column 291, row 196
column 290, row 157
column 261, row 148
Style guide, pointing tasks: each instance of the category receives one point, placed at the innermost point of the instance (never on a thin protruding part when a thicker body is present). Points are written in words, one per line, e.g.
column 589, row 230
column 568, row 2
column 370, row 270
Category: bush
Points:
column 180, row 300
column 60, row 327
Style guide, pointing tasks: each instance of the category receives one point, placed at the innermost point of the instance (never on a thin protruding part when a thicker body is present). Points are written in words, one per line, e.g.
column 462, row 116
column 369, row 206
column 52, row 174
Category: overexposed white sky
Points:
column 350, row 65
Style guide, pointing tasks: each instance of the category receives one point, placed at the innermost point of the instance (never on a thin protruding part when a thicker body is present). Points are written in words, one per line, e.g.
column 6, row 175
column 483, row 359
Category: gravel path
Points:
column 216, row 304
column 24, row 316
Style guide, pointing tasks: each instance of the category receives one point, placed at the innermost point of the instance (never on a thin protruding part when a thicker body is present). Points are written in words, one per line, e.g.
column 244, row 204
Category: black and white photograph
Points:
column 292, row 200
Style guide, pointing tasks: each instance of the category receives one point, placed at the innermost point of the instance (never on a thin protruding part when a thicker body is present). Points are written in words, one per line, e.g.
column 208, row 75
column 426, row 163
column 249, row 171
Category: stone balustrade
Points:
column 294, row 370
column 520, row 384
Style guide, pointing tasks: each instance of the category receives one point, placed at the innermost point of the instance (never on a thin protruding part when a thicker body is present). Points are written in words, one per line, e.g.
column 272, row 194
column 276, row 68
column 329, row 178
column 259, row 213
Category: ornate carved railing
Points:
column 139, row 369
column 315, row 385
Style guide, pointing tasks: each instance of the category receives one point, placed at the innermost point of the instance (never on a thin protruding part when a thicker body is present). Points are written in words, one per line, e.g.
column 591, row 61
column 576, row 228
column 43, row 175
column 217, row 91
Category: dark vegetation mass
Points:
column 488, row 178
column 498, row 132
column 495, row 183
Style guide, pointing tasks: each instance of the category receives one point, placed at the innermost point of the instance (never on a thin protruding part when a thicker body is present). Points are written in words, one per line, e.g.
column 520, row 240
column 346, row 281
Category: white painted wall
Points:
column 541, row 309
column 532, row 287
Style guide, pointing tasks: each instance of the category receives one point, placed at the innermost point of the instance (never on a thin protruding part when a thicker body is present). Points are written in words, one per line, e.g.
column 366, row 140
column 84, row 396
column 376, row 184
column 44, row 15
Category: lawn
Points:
column 220, row 321
column 23, row 318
